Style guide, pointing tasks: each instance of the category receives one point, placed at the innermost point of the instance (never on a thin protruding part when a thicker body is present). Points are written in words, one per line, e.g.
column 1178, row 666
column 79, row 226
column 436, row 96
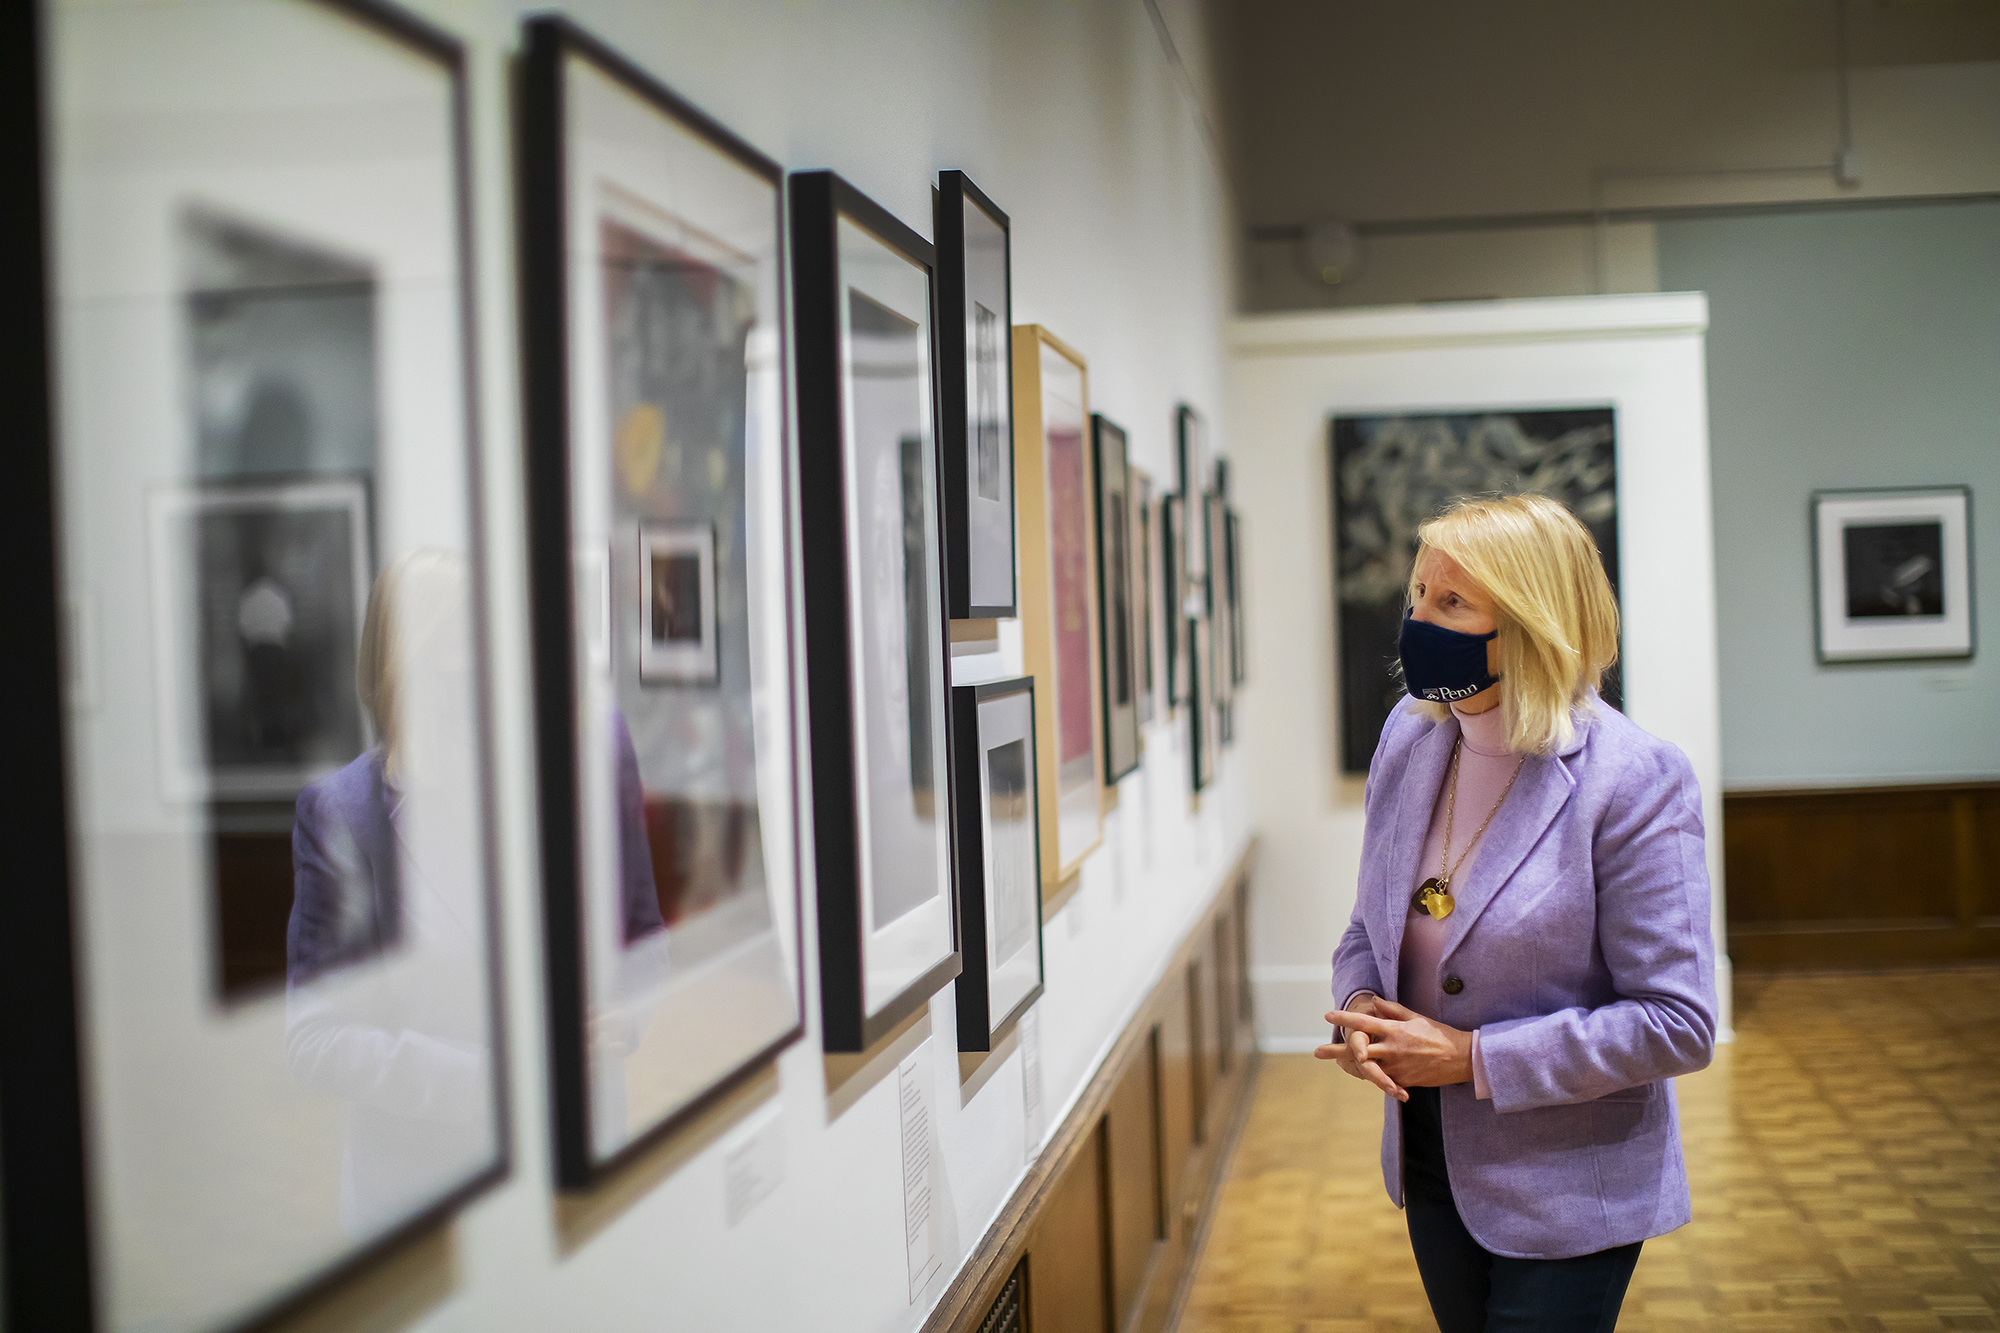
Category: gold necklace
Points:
column 1434, row 894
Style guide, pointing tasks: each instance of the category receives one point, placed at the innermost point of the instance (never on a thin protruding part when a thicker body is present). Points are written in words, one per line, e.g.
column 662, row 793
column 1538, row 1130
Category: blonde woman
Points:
column 1529, row 960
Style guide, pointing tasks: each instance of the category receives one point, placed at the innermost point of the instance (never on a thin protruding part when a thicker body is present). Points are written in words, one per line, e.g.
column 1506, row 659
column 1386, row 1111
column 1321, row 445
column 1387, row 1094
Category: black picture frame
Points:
column 1220, row 669
column 587, row 1148
column 53, row 1262
column 1232, row 564
column 983, row 1024
column 1177, row 646
column 820, row 202
column 1927, row 531
column 1118, row 659
column 976, row 413
column 1145, row 529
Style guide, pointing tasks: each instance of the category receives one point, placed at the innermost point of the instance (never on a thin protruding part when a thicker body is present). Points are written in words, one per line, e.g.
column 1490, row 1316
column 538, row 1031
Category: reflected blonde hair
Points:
column 1552, row 604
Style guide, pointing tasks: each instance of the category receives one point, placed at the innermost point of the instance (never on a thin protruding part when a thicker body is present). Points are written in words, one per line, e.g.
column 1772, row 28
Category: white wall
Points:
column 1289, row 375
column 1077, row 121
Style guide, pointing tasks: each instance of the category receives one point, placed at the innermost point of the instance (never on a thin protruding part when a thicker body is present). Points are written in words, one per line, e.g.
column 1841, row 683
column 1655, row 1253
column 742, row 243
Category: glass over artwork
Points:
column 679, row 634
column 897, row 629
column 282, row 896
column 1119, row 644
column 1066, row 453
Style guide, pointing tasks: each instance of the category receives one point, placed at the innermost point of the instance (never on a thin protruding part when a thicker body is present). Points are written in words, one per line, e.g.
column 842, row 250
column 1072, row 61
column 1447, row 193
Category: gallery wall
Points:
column 1850, row 349
column 785, row 1204
column 1075, row 120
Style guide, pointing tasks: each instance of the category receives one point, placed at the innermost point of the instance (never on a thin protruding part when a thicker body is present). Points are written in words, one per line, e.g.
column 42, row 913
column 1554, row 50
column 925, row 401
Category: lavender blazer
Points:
column 1582, row 943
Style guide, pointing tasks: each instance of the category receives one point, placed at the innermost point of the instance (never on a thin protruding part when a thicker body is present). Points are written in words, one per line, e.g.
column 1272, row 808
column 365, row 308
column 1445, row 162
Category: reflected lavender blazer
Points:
column 1582, row 941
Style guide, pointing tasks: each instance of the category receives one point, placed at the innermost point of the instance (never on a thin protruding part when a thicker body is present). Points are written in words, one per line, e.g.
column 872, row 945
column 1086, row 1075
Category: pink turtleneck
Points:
column 1485, row 766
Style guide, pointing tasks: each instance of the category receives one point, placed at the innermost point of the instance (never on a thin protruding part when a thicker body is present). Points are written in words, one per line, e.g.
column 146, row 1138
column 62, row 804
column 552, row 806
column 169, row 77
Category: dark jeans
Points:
column 1473, row 1290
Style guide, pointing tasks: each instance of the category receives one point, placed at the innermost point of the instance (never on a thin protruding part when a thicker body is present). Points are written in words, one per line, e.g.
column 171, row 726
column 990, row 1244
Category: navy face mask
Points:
column 1442, row 665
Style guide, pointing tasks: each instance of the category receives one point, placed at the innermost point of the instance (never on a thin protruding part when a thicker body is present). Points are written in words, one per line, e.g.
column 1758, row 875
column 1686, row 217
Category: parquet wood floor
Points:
column 1844, row 1155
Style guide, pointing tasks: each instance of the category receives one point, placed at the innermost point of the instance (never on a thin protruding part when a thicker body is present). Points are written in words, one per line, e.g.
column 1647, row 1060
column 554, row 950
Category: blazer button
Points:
column 1452, row 985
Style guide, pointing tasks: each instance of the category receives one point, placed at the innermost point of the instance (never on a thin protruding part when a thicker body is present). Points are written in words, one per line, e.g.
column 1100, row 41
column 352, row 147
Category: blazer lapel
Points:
column 1416, row 797
column 1539, row 795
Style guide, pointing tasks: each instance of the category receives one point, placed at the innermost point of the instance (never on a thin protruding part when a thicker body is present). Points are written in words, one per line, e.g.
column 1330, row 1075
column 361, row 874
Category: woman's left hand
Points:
column 1415, row 1051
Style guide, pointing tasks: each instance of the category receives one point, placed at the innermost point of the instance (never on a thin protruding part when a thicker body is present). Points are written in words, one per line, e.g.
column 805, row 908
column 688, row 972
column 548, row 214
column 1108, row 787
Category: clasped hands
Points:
column 1396, row 1048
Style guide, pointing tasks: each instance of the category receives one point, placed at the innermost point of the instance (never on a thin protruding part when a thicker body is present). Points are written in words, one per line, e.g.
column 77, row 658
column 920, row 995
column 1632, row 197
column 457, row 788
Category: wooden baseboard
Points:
column 1108, row 1218
column 1863, row 877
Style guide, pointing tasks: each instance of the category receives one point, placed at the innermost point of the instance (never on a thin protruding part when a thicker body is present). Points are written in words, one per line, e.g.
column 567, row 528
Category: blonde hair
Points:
column 1552, row 604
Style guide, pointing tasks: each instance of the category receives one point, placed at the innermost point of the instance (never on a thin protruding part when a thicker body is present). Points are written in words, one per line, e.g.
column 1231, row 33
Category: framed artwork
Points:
column 660, row 513
column 875, row 610
column 677, row 621
column 999, row 857
column 1219, row 671
column 1144, row 544
column 1053, row 471
column 285, row 1001
column 1232, row 565
column 1392, row 471
column 1204, row 738
column 1116, row 600
column 976, row 398
column 1174, row 601
column 1892, row 574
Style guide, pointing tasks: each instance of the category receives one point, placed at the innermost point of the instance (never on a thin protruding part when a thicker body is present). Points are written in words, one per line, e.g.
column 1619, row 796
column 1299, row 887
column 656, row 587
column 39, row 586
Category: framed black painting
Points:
column 1220, row 669
column 1392, row 471
column 1116, row 604
column 661, row 511
column 1173, row 580
column 976, row 398
column 874, row 610
column 999, row 857
column 273, row 709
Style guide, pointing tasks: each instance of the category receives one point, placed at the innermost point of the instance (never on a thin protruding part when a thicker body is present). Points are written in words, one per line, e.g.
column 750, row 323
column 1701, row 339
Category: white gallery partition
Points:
column 1290, row 376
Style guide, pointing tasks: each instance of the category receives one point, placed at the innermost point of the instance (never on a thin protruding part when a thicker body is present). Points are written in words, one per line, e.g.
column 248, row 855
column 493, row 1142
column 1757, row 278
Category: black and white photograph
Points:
column 875, row 612
column 1232, row 568
column 1392, row 471
column 1145, row 521
column 659, row 515
column 1893, row 573
column 999, row 858
column 677, row 594
column 1117, row 609
column 1219, row 671
column 1174, row 636
column 976, row 398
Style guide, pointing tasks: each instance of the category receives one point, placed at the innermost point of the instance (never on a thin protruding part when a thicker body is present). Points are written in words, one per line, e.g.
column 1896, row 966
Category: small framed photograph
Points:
column 999, row 858
column 677, row 641
column 1175, row 631
column 1232, row 567
column 1220, row 669
column 1144, row 543
column 874, row 610
column 976, row 396
column 1119, row 631
column 1893, row 573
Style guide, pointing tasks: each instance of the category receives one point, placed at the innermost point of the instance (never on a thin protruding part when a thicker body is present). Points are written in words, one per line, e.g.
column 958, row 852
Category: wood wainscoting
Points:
column 1863, row 877
column 1102, row 1232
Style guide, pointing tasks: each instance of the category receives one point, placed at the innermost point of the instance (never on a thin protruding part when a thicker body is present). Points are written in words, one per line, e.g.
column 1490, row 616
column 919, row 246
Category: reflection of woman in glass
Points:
column 386, row 992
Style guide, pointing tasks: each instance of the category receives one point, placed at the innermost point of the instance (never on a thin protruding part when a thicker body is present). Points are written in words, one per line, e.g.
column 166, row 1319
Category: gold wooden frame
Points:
column 1037, row 602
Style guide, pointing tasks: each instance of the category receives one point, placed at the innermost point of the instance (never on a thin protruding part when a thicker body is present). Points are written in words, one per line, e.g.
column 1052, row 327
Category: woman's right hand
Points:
column 1351, row 1053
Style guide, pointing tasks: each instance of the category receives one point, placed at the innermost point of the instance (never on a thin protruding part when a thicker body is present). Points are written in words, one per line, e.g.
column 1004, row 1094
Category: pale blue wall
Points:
column 1845, row 349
